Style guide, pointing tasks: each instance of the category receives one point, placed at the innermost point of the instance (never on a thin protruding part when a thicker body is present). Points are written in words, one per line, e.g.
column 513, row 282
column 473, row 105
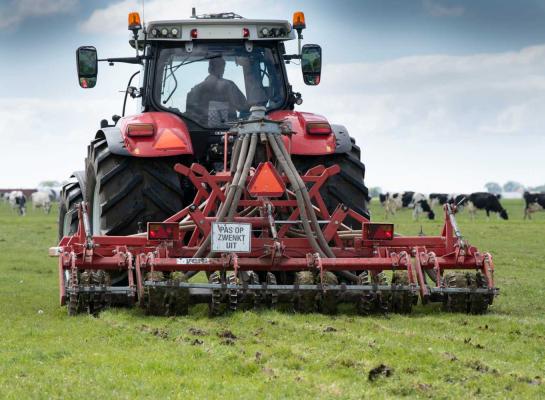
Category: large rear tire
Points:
column 124, row 193
column 346, row 187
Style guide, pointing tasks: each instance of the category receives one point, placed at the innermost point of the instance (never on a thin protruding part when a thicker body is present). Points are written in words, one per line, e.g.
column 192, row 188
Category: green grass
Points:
column 125, row 354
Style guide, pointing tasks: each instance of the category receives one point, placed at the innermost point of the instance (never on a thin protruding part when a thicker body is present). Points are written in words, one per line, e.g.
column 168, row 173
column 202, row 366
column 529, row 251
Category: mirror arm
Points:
column 126, row 60
column 288, row 57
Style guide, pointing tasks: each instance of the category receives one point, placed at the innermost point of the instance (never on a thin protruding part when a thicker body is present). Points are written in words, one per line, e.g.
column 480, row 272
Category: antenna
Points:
column 144, row 13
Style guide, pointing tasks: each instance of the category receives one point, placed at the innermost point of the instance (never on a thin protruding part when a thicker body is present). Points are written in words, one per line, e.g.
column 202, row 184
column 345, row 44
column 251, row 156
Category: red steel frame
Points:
column 281, row 253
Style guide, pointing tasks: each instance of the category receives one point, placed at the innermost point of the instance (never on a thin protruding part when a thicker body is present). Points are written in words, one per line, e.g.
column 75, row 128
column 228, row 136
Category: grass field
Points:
column 125, row 354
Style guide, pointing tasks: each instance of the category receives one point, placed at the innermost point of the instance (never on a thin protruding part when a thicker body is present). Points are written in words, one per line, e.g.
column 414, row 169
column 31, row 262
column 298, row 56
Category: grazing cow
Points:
column 12, row 198
column 41, row 200
column 416, row 201
column 21, row 205
column 534, row 202
column 485, row 201
column 440, row 199
column 17, row 200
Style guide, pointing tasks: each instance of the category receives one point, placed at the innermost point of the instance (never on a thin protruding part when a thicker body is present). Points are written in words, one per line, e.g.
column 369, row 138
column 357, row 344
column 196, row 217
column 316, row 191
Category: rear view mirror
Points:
column 87, row 63
column 311, row 63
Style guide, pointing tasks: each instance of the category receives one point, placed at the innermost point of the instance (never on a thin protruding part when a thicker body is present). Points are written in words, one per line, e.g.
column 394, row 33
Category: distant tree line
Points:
column 511, row 186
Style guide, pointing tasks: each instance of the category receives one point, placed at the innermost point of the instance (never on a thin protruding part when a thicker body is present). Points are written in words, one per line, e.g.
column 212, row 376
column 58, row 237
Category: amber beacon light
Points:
column 299, row 20
column 134, row 21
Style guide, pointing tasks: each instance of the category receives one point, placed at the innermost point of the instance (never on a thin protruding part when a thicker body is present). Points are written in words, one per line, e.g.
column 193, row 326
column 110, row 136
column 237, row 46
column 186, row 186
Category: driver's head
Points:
column 216, row 67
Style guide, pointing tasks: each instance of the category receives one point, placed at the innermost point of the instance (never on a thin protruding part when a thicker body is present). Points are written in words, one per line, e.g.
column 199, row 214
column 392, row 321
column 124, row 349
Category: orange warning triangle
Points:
column 168, row 140
column 266, row 182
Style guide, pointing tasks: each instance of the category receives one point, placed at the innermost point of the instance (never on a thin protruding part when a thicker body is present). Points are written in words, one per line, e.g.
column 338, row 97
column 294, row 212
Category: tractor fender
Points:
column 82, row 180
column 168, row 136
column 115, row 141
column 301, row 142
column 343, row 142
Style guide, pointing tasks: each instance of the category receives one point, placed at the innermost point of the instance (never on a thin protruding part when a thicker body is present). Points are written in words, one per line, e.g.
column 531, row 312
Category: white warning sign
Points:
column 231, row 237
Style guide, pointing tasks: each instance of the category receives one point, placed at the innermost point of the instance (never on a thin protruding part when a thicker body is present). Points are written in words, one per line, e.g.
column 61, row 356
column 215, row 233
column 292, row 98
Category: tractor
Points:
column 219, row 173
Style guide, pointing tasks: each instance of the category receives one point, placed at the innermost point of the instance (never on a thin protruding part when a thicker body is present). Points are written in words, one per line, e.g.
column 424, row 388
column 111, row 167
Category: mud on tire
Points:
column 305, row 300
column 455, row 302
column 478, row 302
column 371, row 303
column 402, row 302
column 327, row 301
column 471, row 303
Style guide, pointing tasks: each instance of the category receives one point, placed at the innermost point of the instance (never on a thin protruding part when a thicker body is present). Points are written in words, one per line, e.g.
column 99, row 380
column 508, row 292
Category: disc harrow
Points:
column 287, row 247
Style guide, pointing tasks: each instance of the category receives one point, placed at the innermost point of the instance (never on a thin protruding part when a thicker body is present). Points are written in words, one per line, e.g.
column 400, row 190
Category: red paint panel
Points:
column 171, row 136
column 301, row 142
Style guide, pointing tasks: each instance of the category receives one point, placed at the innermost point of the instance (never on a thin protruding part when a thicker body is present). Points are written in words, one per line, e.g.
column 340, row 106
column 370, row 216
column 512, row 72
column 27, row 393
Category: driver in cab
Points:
column 216, row 100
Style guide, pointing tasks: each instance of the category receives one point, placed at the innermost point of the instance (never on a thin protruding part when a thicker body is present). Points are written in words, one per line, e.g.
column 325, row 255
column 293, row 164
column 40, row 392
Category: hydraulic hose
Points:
column 235, row 154
column 297, row 190
column 244, row 176
column 231, row 189
column 306, row 198
column 230, row 193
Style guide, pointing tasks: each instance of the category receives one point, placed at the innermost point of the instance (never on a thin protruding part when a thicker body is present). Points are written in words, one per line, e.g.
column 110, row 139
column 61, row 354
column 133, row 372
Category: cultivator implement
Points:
column 264, row 237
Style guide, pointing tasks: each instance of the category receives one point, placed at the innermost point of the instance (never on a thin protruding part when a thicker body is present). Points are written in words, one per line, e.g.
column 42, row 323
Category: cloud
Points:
column 440, row 122
column 436, row 95
column 113, row 18
column 16, row 11
column 436, row 9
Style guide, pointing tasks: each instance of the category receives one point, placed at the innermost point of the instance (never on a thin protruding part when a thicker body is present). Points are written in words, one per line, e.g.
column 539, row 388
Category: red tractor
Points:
column 219, row 173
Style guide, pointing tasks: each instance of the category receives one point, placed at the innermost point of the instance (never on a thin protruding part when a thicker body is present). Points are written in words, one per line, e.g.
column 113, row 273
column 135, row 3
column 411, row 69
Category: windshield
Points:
column 215, row 84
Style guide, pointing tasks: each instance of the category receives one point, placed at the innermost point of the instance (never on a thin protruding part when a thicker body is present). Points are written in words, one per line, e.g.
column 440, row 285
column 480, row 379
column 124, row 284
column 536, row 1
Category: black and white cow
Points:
column 17, row 201
column 416, row 201
column 440, row 198
column 484, row 201
column 534, row 202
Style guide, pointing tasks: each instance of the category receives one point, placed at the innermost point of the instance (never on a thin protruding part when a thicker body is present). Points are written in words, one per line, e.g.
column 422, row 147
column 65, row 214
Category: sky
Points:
column 441, row 95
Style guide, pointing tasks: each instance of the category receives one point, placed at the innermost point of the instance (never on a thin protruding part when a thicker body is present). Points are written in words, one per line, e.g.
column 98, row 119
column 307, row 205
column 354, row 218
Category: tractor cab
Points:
column 211, row 69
